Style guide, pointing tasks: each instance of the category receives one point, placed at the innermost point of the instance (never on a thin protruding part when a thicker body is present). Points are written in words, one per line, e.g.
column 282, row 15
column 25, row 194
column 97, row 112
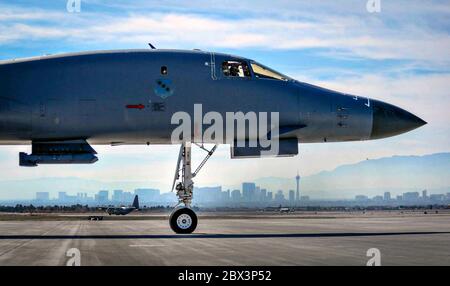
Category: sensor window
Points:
column 164, row 70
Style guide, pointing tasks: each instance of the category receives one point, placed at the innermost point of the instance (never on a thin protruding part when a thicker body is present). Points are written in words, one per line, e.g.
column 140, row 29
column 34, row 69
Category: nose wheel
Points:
column 183, row 220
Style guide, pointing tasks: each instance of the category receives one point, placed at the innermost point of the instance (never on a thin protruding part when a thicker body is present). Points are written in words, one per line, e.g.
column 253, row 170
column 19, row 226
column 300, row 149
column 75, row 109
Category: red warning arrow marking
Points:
column 137, row 106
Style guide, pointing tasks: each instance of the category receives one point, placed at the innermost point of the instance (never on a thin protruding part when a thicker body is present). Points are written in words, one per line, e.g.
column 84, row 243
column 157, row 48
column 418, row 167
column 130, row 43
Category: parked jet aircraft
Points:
column 123, row 210
column 286, row 210
column 61, row 104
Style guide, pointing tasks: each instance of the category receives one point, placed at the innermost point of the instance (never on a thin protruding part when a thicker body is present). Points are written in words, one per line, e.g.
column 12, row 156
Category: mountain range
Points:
column 396, row 174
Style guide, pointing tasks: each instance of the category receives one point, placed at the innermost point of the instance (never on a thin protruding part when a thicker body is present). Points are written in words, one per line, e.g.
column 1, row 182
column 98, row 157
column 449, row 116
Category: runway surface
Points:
column 401, row 240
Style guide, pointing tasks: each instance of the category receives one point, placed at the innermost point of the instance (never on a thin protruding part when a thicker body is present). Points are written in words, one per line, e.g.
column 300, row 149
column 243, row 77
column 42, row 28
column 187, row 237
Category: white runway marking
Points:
column 146, row 245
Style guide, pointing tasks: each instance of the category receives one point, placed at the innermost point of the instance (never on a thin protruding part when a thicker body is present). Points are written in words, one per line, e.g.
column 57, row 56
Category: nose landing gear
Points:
column 184, row 219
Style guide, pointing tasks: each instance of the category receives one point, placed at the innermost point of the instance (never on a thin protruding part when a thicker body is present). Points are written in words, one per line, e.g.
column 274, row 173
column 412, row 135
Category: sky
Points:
column 400, row 54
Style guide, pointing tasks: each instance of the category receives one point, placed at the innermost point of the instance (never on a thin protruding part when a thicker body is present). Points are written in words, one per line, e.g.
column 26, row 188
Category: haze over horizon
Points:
column 395, row 174
column 399, row 55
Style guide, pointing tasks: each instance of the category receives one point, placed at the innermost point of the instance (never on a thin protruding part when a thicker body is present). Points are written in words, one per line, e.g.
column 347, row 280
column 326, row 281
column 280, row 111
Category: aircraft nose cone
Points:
column 389, row 120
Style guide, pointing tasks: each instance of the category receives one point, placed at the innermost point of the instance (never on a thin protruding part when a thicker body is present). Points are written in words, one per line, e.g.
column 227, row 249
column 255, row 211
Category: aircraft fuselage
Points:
column 129, row 97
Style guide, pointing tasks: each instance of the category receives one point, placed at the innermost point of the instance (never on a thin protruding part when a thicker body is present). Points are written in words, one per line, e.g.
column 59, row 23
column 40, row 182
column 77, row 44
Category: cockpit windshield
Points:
column 235, row 69
column 261, row 71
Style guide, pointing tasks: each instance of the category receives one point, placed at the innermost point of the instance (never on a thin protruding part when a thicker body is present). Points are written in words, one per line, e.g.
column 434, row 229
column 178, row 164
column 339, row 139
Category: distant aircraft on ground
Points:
column 123, row 210
column 286, row 210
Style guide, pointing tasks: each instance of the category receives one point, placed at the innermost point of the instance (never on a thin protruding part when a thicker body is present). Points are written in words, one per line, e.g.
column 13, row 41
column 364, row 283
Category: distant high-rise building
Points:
column 424, row 194
column 387, row 196
column 117, row 196
column 248, row 192
column 236, row 196
column 297, row 179
column 378, row 198
column 437, row 197
column 361, row 198
column 263, row 195
column 269, row 196
column 42, row 196
column 62, row 196
column 102, row 197
column 291, row 196
column 127, row 197
column 279, row 196
column 147, row 195
column 167, row 198
column 411, row 196
column 208, row 194
column 225, row 196
column 304, row 198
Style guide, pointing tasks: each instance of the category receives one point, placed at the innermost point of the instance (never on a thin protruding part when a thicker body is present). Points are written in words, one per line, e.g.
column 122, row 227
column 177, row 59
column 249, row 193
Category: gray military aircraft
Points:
column 123, row 210
column 60, row 104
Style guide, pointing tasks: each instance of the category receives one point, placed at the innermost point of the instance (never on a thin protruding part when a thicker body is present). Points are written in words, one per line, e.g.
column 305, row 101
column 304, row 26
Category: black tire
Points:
column 183, row 220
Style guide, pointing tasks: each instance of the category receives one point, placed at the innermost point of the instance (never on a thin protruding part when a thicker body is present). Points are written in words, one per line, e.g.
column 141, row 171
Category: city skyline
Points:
column 249, row 195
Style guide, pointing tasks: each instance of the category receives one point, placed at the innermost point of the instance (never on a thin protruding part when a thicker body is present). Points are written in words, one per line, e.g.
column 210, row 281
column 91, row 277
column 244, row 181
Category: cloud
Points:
column 344, row 35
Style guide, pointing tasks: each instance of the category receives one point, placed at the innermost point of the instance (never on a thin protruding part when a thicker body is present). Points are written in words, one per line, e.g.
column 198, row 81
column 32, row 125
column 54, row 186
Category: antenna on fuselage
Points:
column 151, row 46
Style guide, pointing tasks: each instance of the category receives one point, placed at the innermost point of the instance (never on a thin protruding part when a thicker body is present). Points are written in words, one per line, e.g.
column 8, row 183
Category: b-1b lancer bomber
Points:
column 63, row 104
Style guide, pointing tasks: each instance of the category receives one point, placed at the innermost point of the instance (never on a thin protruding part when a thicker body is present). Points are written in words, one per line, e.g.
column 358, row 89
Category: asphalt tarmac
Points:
column 271, row 240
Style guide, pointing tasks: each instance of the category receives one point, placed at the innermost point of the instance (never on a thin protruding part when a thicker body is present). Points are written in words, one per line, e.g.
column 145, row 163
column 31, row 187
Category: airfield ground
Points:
column 309, row 238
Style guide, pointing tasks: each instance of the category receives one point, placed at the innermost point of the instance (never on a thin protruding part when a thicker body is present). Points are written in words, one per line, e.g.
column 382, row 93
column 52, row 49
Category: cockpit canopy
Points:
column 235, row 69
column 240, row 68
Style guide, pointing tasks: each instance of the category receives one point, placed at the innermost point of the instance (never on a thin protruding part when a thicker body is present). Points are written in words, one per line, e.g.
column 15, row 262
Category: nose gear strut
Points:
column 185, row 188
